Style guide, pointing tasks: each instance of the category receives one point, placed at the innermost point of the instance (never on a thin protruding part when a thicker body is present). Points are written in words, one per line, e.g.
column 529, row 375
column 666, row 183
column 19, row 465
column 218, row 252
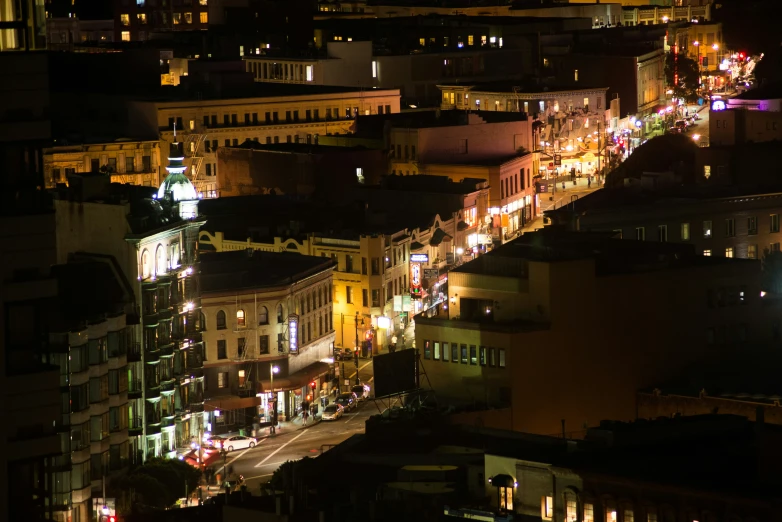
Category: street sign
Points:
column 557, row 160
column 347, row 382
column 431, row 273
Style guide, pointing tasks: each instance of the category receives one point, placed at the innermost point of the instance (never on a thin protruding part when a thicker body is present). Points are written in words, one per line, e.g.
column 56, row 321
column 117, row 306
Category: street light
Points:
column 665, row 19
column 272, row 370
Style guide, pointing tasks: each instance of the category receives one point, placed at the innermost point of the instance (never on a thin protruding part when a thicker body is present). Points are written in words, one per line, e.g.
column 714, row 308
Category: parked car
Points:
column 215, row 441
column 332, row 412
column 343, row 354
column 347, row 401
column 239, row 442
column 361, row 391
column 681, row 124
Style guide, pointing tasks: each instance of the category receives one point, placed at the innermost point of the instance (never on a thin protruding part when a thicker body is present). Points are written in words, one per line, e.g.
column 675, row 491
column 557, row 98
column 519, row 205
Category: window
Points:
column 650, row 517
column 375, row 266
column 570, row 508
column 729, row 252
column 177, row 18
column 575, row 75
column 437, row 350
column 124, row 19
column 707, row 252
column 589, row 512
column 707, row 230
column 730, row 227
column 454, row 353
column 263, row 344
column 547, row 508
column 188, row 18
column 685, row 231
column 364, row 297
column 628, row 515
column 427, row 350
column 446, row 351
column 501, row 357
column 204, row 17
column 240, row 318
column 375, row 297
column 473, row 355
column 640, row 233
column 774, row 223
column 490, row 356
column 125, row 36
column 482, row 355
column 775, row 247
column 241, row 346
column 752, row 251
column 662, row 233
column 222, row 380
column 221, row 320
column 464, row 354
column 752, row 225
column 279, row 313
column 349, row 294
column 610, row 515
column 142, row 18
column 222, row 353
column 263, row 315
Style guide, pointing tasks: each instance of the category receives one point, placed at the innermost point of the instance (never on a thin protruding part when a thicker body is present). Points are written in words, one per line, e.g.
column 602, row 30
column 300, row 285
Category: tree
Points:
column 681, row 75
column 772, row 272
column 158, row 483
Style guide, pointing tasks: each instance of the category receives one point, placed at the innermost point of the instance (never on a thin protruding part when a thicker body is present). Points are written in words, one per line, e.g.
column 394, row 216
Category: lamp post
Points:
column 698, row 56
column 272, row 399
column 355, row 350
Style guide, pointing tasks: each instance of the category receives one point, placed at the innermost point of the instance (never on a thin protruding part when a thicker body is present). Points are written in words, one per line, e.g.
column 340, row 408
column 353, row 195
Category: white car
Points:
column 332, row 412
column 239, row 442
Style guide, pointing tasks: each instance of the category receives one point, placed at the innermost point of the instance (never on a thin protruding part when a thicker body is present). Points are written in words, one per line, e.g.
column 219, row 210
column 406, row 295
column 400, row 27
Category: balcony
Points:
column 167, row 349
column 134, row 352
column 153, row 392
column 135, row 425
column 134, row 388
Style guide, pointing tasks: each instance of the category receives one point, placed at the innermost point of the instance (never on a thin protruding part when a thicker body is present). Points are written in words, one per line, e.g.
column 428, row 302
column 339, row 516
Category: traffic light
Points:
column 313, row 385
column 309, row 398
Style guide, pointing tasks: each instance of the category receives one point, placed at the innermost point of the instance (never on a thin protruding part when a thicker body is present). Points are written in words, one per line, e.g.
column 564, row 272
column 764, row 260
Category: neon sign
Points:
column 718, row 105
column 293, row 333
column 419, row 258
column 415, row 281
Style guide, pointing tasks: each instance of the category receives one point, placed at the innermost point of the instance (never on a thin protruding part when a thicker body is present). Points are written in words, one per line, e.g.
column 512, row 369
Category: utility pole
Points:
column 355, row 350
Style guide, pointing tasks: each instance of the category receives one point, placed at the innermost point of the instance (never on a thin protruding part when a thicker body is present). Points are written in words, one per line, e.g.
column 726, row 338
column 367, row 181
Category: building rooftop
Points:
column 770, row 91
column 520, row 88
column 246, row 90
column 300, row 148
column 245, row 269
column 612, row 256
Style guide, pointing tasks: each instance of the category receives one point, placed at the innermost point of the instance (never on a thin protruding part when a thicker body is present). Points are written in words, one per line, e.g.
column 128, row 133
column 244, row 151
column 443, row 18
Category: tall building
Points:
column 152, row 236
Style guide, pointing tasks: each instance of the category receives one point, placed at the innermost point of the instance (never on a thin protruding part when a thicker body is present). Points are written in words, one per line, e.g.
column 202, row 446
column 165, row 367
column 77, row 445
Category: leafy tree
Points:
column 772, row 271
column 158, row 483
column 686, row 69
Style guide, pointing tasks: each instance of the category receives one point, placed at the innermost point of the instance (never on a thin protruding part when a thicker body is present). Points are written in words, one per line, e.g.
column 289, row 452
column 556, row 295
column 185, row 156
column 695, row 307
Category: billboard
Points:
column 293, row 333
column 395, row 373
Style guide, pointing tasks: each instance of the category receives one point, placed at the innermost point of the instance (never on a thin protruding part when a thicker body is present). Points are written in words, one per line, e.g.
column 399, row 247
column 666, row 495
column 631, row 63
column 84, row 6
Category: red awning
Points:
column 296, row 380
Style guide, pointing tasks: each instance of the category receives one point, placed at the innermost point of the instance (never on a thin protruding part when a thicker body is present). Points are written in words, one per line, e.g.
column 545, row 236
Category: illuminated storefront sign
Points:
column 416, row 291
column 479, row 239
column 293, row 333
column 718, row 105
column 419, row 258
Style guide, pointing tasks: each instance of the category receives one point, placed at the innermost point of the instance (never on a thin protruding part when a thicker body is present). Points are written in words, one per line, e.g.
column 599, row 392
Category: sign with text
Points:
column 419, row 258
column 416, row 290
column 431, row 273
column 293, row 333
column 557, row 160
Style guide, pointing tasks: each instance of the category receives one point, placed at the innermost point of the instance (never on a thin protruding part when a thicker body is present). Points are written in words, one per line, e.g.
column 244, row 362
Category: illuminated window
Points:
column 145, row 255
column 202, row 2
column 483, row 39
column 422, row 41
column 470, row 39
column 124, row 19
column 729, row 252
column 177, row 18
column 547, row 508
column 309, row 72
column 188, row 18
column 374, row 68
column 589, row 513
column 685, row 231
column 125, row 36
column 142, row 18
column 575, row 75
column 570, row 509
column 706, row 229
column 628, row 516
column 752, row 251
column 240, row 317
column 707, row 253
column 610, row 515
column 707, row 171
column 203, row 17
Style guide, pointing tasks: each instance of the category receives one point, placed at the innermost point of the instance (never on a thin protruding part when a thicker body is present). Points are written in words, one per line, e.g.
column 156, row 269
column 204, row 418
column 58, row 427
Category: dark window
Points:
column 427, row 350
column 464, row 354
column 263, row 344
column 221, row 350
column 454, row 352
column 241, row 346
column 473, row 355
column 482, row 355
column 446, row 352
column 234, row 119
column 501, row 357
column 221, row 320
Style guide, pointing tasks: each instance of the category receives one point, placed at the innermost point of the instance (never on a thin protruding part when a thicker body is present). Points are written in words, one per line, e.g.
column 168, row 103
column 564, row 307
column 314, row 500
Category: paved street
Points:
column 294, row 441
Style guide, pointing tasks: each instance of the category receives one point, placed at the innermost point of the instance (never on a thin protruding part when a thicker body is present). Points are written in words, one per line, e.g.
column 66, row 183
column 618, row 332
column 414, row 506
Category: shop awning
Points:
column 296, row 380
column 231, row 402
column 415, row 245
column 438, row 236
column 502, row 481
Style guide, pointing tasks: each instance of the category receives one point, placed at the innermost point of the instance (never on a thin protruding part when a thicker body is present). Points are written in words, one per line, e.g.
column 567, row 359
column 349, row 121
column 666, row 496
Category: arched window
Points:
column 160, row 260
column 279, row 313
column 203, row 322
column 221, row 320
column 240, row 317
column 263, row 315
column 145, row 264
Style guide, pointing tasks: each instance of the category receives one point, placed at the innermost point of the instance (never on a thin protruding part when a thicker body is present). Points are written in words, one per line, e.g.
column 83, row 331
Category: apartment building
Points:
column 125, row 161
column 136, row 21
column 155, row 248
column 274, row 114
column 537, row 309
column 264, row 310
